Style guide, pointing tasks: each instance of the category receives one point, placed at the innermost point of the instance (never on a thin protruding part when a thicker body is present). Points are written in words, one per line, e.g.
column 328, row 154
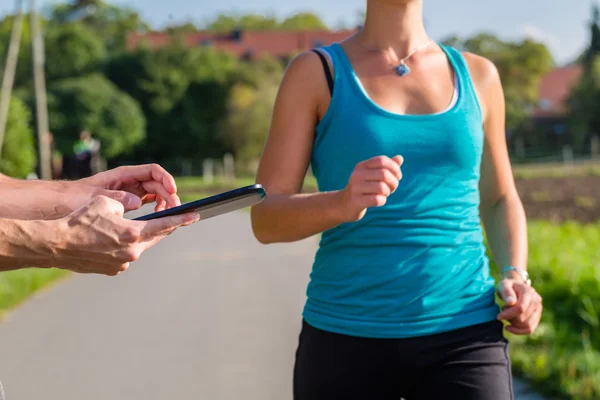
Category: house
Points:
column 246, row 44
column 554, row 90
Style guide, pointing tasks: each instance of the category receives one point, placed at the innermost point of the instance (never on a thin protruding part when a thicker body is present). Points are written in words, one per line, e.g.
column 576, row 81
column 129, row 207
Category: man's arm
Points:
column 132, row 186
column 34, row 199
column 26, row 244
column 93, row 239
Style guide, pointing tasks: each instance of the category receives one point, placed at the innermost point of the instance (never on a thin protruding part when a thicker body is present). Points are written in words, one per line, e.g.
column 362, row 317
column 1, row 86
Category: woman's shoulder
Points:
column 483, row 71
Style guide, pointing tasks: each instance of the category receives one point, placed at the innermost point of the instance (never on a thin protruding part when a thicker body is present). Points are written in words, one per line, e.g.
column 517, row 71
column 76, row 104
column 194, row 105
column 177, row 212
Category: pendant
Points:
column 402, row 69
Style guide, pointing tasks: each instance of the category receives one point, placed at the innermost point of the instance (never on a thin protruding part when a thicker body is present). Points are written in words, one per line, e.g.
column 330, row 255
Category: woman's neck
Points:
column 393, row 26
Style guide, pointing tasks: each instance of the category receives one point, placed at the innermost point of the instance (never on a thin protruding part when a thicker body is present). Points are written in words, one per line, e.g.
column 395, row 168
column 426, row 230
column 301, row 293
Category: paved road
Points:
column 206, row 314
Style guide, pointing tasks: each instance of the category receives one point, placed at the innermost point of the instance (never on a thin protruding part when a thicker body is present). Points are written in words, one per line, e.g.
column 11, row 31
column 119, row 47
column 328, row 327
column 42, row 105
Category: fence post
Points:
column 218, row 169
column 186, row 167
column 207, row 170
column 567, row 154
column 595, row 146
column 520, row 147
column 229, row 167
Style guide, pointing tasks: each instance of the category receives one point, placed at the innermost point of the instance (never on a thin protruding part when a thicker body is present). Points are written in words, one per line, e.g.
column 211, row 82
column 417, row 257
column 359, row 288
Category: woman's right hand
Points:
column 370, row 184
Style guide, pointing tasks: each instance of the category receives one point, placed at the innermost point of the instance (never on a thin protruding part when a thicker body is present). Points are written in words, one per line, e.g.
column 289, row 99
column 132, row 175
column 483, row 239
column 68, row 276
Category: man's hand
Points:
column 132, row 186
column 523, row 308
column 97, row 239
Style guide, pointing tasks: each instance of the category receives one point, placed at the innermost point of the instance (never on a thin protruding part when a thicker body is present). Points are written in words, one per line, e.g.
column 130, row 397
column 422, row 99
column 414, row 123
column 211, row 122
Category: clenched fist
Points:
column 370, row 184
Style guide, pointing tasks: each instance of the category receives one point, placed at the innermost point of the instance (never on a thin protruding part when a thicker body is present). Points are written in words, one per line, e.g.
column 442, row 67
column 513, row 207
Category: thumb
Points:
column 165, row 225
column 129, row 200
column 507, row 292
column 398, row 160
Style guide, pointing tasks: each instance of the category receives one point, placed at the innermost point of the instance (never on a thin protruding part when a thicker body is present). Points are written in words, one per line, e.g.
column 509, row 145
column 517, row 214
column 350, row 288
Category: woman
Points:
column 407, row 141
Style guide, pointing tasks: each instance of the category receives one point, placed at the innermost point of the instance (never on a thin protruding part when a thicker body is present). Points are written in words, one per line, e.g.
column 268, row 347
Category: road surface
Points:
column 208, row 313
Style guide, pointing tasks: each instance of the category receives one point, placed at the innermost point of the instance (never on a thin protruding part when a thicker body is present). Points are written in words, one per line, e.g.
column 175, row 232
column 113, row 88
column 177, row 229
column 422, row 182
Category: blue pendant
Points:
column 402, row 69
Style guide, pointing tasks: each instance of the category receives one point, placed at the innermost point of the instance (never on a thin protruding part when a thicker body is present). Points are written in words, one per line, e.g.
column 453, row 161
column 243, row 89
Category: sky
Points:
column 560, row 24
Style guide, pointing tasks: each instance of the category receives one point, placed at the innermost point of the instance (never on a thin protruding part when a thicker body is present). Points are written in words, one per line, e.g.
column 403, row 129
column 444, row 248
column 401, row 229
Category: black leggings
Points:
column 467, row 364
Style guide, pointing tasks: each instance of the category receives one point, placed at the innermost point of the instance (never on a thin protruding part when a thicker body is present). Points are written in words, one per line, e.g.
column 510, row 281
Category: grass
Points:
column 16, row 286
column 195, row 184
column 563, row 358
column 556, row 170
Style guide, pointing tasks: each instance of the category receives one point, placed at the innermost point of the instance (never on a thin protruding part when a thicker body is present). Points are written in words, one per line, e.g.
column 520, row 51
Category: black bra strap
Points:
column 326, row 70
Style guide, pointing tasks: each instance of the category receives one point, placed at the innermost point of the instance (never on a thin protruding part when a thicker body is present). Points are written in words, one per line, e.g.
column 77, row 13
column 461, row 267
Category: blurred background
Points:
column 90, row 85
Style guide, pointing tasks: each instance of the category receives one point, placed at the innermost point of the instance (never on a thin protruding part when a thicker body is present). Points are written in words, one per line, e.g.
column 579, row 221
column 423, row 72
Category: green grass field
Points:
column 16, row 286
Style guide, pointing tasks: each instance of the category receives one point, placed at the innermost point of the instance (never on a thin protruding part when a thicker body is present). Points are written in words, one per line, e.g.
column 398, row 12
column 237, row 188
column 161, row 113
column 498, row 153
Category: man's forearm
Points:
column 26, row 244
column 506, row 228
column 34, row 200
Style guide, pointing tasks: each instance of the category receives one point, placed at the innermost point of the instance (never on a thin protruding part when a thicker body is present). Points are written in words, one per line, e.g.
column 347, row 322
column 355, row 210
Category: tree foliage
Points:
column 76, row 50
column 249, row 109
column 304, row 21
column 18, row 150
column 110, row 22
column 93, row 103
column 254, row 22
column 183, row 93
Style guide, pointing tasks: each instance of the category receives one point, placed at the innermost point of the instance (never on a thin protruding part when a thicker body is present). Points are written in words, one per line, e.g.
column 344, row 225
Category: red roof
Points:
column 274, row 43
column 554, row 90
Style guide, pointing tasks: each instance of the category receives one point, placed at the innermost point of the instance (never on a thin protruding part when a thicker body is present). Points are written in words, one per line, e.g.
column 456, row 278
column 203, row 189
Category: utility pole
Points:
column 10, row 68
column 37, row 44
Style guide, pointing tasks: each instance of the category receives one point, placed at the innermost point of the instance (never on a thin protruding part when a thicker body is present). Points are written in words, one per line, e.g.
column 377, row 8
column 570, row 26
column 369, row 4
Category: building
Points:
column 246, row 44
column 555, row 88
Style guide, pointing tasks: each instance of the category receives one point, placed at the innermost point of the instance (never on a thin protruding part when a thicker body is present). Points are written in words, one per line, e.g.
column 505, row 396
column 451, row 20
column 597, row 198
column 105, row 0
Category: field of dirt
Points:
column 560, row 199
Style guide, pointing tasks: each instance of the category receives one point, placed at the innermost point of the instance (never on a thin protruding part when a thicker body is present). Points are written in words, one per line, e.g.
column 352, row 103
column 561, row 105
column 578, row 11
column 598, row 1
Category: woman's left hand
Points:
column 523, row 308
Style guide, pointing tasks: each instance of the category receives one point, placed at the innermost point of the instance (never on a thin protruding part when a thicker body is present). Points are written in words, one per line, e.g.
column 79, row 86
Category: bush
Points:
column 18, row 150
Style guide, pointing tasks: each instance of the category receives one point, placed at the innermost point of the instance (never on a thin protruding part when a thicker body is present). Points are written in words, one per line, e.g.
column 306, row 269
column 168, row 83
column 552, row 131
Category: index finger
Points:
column 152, row 172
column 162, row 226
column 521, row 306
column 384, row 162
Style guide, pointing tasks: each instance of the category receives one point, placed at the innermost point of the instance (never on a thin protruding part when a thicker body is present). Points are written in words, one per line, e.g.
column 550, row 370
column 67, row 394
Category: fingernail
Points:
column 196, row 218
column 132, row 202
column 510, row 300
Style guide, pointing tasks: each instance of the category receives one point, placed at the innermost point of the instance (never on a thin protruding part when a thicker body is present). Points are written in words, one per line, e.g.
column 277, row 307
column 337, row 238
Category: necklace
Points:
column 400, row 65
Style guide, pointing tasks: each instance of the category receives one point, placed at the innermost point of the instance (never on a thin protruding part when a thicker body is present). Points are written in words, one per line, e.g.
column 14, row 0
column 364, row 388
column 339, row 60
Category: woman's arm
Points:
column 287, row 215
column 501, row 209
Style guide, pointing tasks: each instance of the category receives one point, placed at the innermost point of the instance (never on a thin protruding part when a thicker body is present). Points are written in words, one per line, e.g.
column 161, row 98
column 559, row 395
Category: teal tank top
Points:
column 416, row 266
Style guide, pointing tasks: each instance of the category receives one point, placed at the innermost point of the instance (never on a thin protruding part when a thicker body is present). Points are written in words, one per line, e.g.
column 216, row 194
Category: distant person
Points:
column 56, row 158
column 79, row 225
column 85, row 149
column 406, row 139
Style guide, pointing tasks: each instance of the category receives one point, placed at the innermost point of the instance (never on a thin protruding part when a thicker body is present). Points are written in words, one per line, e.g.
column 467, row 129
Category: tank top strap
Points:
column 465, row 81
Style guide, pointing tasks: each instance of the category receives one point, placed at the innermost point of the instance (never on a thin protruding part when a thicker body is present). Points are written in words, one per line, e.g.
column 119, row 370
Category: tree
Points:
column 304, row 21
column 583, row 105
column 93, row 103
column 183, row 93
column 18, row 151
column 254, row 22
column 249, row 107
column 250, row 22
column 594, row 48
column 75, row 50
column 248, row 118
column 24, row 70
column 111, row 23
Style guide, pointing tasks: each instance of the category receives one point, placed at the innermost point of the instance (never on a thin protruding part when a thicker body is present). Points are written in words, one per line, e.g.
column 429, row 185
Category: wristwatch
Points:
column 523, row 273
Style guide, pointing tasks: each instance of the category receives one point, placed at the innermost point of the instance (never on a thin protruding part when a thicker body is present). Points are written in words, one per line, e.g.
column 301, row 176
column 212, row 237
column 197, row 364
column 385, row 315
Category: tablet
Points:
column 215, row 205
